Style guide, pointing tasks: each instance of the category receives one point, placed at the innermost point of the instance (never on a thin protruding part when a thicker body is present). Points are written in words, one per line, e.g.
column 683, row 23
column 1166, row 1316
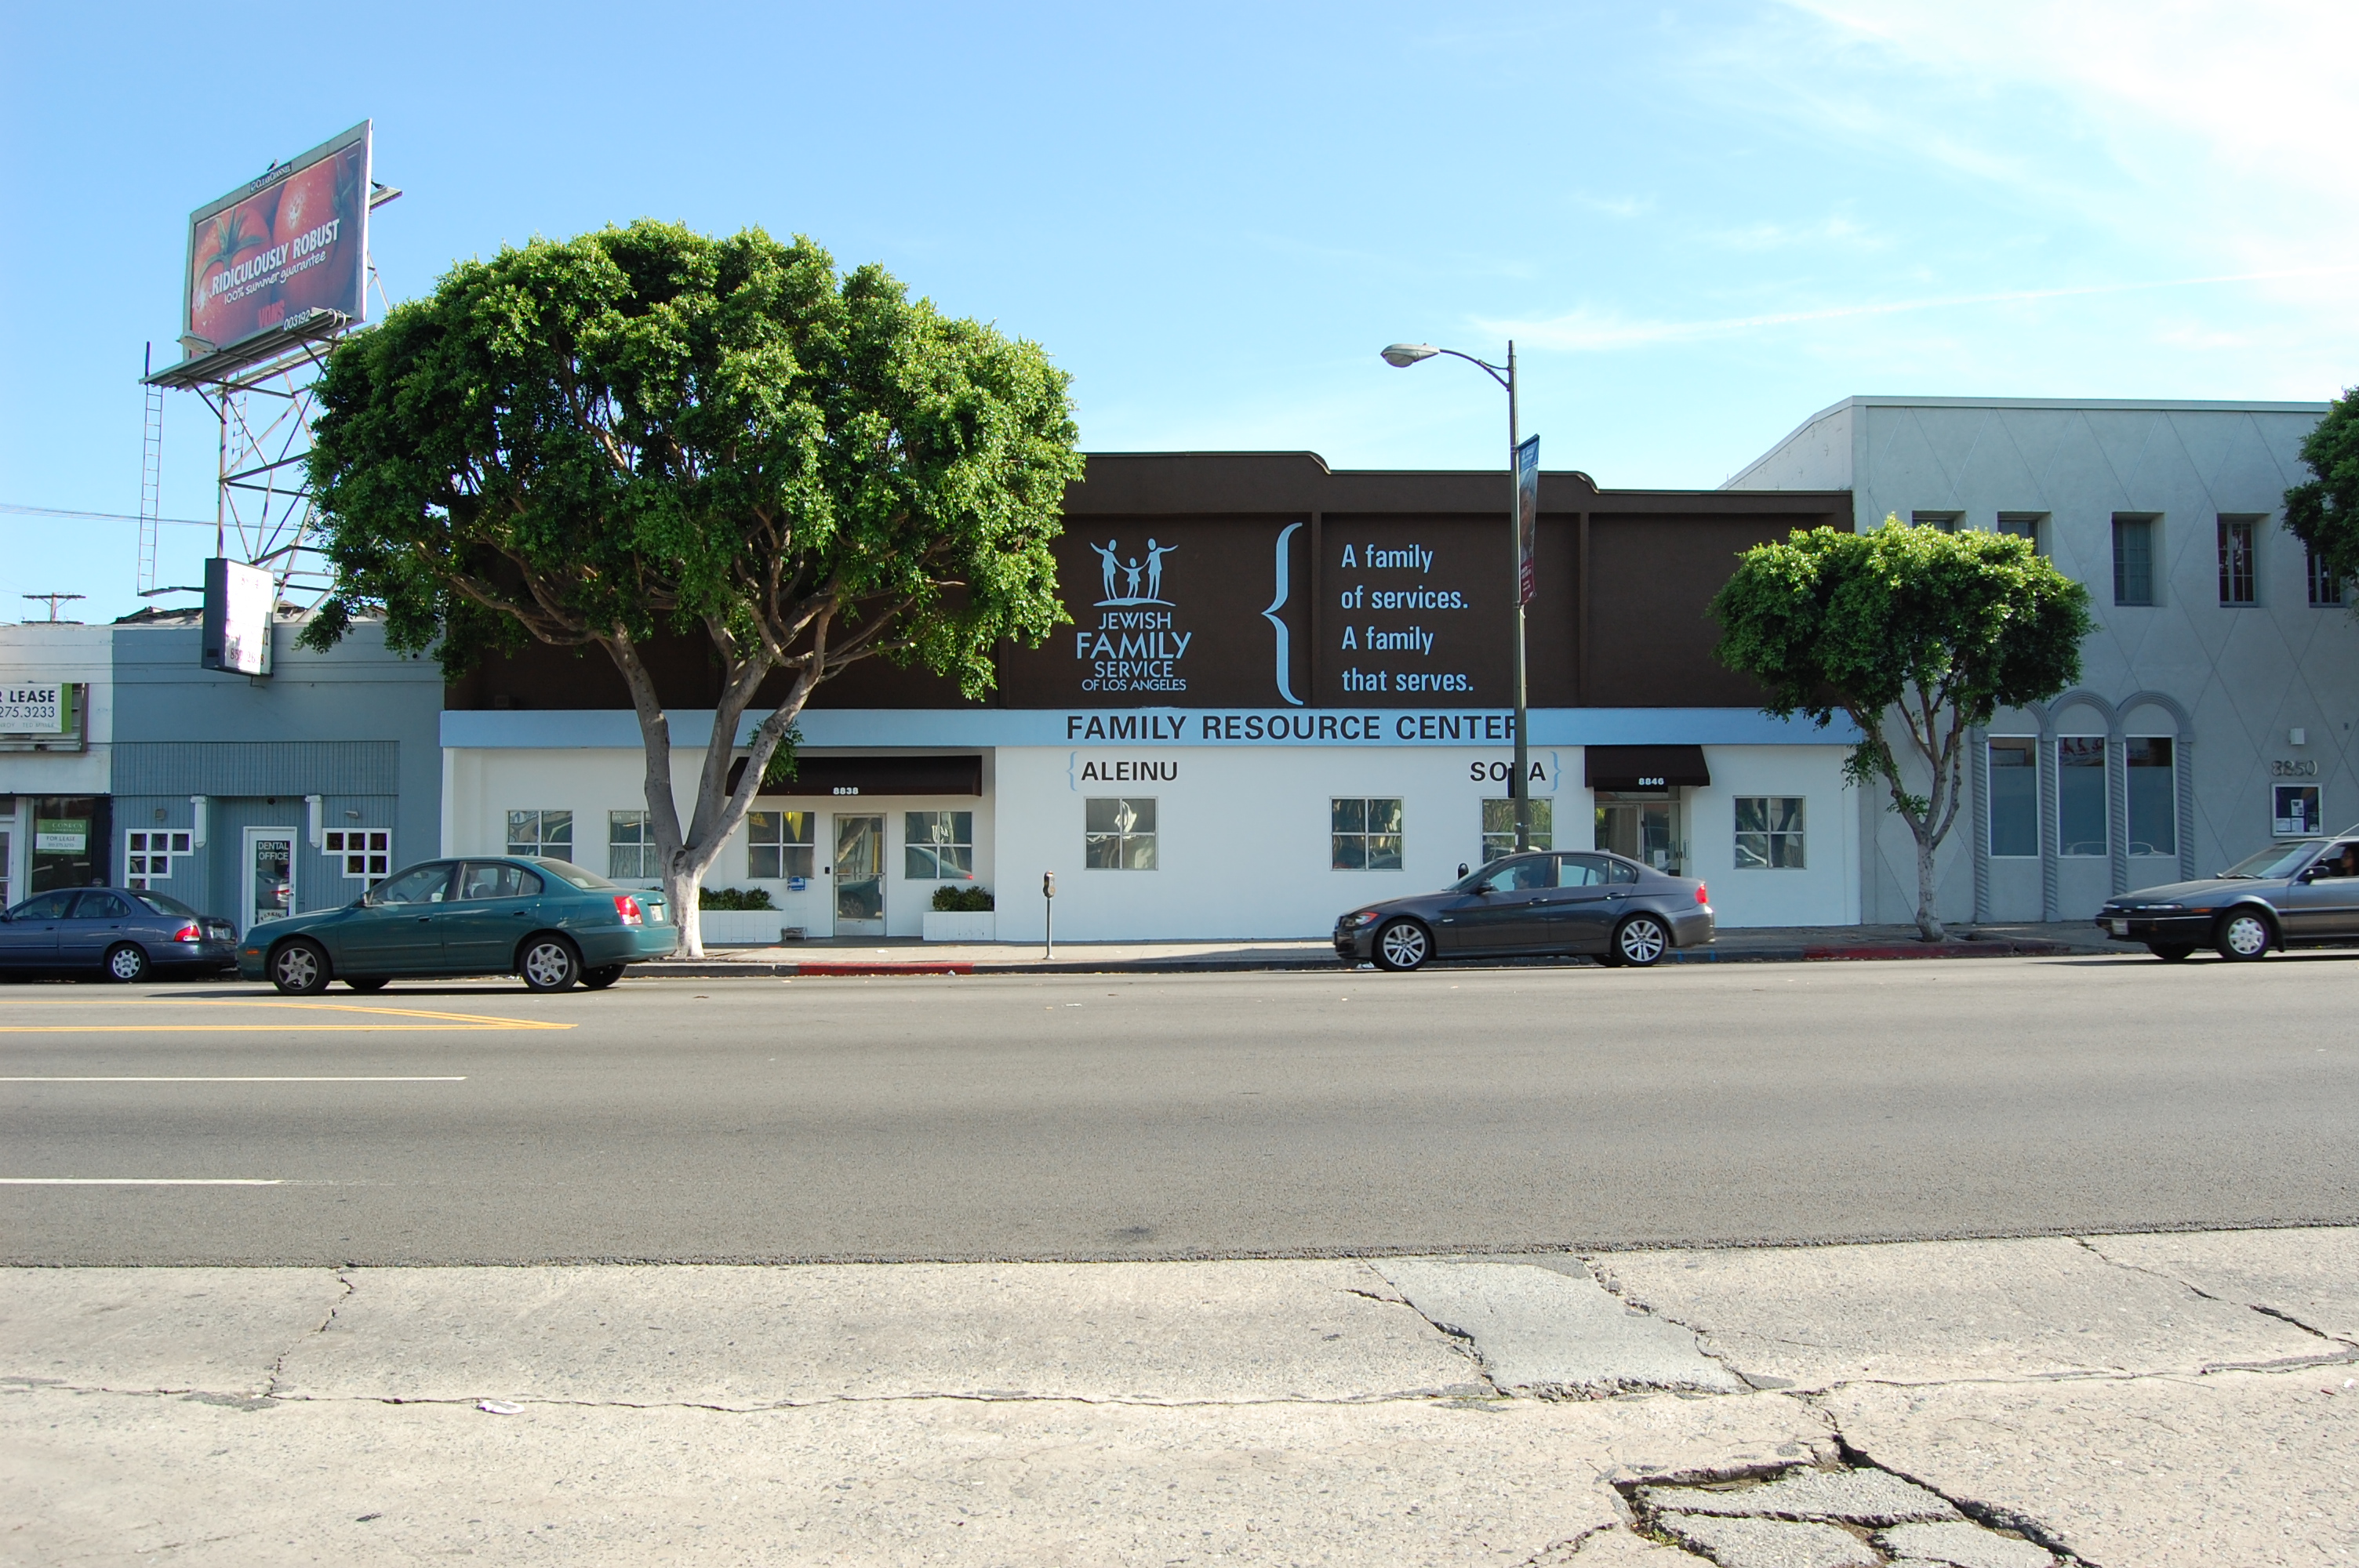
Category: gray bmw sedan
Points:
column 1584, row 901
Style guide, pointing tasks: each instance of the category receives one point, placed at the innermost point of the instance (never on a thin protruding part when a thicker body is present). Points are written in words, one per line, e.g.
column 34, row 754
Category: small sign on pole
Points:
column 1527, row 519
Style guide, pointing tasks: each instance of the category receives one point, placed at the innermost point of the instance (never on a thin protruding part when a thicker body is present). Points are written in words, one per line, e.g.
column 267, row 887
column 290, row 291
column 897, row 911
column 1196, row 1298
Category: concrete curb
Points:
column 826, row 968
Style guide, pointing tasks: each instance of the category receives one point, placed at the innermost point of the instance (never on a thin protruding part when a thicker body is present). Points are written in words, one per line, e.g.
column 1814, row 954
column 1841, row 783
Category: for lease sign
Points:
column 32, row 707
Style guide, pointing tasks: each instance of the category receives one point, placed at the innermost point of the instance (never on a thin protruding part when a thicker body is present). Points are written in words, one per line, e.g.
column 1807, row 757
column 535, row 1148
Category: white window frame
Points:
column 1122, row 839
column 539, row 842
column 641, row 851
column 1365, row 833
column 365, row 854
column 1767, row 857
column 1498, row 841
column 944, row 853
column 145, row 859
column 760, row 825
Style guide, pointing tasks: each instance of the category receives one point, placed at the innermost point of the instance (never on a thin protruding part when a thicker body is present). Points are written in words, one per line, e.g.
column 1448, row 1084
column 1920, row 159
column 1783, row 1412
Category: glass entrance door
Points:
column 269, row 875
column 1645, row 826
column 860, row 876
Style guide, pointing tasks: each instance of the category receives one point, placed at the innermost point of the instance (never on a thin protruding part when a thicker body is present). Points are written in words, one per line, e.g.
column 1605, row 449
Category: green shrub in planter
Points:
column 734, row 898
column 954, row 900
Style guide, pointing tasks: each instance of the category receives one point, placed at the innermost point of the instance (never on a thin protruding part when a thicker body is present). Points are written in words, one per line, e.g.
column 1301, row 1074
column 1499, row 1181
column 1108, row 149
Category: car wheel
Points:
column 548, row 964
column 2170, row 952
column 1640, row 941
column 2243, row 935
column 371, row 983
column 602, row 977
column 300, row 968
column 1403, row 945
column 127, row 962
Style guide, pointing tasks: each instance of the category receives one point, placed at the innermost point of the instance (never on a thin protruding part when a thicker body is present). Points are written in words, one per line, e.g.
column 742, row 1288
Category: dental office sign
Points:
column 34, row 708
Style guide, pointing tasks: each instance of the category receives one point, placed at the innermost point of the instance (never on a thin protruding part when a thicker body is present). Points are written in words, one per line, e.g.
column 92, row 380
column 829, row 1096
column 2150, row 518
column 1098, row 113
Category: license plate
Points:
column 2121, row 928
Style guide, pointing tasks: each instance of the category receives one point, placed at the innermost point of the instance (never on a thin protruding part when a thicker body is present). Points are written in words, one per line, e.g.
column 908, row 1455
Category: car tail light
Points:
column 188, row 934
column 1703, row 894
column 628, row 908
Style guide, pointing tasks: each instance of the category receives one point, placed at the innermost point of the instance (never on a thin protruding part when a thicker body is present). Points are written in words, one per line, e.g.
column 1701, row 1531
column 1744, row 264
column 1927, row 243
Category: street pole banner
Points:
column 1527, row 519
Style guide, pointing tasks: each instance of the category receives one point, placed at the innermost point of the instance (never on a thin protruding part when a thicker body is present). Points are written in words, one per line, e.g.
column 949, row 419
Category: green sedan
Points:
column 548, row 922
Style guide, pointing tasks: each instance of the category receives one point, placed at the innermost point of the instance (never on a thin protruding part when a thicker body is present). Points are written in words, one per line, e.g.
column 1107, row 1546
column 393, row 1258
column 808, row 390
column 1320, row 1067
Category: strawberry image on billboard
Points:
column 291, row 242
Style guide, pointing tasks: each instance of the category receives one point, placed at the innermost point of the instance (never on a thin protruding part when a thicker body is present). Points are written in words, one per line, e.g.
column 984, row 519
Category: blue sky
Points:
column 1701, row 222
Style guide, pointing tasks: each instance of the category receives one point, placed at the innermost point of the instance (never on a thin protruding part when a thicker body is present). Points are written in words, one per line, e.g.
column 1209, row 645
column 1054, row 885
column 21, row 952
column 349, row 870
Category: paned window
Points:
column 546, row 835
column 1946, row 521
column 147, row 854
column 779, row 845
column 2014, row 795
column 938, row 846
column 2325, row 587
column 630, row 846
column 1118, row 834
column 2133, row 560
column 2028, row 525
column 2236, row 584
column 1365, row 835
column 1768, row 832
column 363, row 852
column 2080, row 816
column 2154, row 795
column 1499, row 828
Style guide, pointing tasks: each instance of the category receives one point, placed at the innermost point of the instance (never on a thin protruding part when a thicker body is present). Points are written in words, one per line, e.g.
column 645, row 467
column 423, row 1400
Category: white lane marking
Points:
column 138, row 1181
column 445, row 1079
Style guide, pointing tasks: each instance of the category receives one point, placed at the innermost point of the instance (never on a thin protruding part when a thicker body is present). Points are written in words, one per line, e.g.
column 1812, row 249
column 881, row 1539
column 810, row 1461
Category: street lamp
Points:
column 1400, row 356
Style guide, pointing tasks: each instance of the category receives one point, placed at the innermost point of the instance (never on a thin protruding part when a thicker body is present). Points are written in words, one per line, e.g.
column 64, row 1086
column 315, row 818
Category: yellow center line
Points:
column 440, row 1020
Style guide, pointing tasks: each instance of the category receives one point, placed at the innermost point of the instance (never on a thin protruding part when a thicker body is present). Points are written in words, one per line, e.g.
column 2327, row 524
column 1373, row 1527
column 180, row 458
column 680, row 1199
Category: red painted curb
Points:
column 943, row 968
column 1935, row 950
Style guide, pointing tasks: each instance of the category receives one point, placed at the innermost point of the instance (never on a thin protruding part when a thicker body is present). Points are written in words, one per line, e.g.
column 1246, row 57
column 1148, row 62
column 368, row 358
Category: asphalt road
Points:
column 1128, row 1117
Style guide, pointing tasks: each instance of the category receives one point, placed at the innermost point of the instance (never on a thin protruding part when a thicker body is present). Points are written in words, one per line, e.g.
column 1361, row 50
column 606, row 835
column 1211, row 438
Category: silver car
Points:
column 2302, row 892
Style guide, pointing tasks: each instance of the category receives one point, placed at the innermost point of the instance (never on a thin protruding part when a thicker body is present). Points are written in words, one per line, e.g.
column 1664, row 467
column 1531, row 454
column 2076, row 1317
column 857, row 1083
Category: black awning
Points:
column 892, row 774
column 1642, row 767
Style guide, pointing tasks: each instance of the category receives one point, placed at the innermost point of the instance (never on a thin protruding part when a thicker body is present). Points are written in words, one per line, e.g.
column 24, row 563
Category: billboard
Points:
column 270, row 251
column 238, row 600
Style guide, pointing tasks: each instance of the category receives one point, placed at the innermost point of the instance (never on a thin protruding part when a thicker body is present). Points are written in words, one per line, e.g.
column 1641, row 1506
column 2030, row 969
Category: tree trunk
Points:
column 1928, row 915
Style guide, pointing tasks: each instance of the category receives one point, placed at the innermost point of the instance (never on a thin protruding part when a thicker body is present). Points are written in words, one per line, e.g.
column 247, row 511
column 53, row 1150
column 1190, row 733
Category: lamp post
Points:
column 1400, row 356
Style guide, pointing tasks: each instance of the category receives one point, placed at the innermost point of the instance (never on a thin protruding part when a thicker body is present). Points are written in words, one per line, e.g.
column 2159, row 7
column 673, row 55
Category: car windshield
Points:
column 568, row 871
column 2276, row 860
column 165, row 903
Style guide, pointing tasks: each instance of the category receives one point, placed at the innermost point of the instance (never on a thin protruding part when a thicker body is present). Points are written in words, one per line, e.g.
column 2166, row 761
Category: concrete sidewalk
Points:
column 2112, row 1401
column 1782, row 944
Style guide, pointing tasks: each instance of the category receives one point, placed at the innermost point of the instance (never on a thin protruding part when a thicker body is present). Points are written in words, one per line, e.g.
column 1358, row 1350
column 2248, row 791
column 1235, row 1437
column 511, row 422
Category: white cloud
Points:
column 1587, row 330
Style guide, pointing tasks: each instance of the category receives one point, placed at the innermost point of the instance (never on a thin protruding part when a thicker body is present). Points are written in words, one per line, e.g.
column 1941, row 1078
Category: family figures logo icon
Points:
column 1110, row 556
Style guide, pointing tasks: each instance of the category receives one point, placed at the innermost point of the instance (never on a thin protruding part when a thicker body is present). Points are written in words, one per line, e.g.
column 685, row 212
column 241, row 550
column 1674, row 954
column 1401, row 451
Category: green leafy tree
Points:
column 647, row 431
column 2324, row 513
column 1916, row 635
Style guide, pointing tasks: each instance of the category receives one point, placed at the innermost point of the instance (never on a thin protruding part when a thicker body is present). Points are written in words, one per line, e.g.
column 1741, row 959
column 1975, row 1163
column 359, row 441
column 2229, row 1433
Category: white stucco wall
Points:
column 1243, row 848
column 482, row 785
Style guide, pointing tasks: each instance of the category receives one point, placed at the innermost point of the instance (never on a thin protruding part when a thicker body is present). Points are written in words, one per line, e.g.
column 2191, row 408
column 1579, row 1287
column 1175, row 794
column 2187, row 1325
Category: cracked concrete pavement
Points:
column 2105, row 1401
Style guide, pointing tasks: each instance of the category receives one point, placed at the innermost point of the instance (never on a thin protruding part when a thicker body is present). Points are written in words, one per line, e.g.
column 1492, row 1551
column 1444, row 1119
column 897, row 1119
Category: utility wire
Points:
column 11, row 506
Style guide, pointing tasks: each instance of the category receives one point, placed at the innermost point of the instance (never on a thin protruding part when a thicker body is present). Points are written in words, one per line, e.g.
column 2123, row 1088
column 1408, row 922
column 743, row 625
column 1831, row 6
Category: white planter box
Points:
column 745, row 927
column 961, row 925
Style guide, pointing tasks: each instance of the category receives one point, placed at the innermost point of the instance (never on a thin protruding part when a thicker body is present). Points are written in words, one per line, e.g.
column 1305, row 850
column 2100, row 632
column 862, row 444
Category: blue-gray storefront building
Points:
column 260, row 796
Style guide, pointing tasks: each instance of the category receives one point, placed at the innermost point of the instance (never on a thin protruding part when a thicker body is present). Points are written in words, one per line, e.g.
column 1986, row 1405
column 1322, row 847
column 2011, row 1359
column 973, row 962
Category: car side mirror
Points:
column 1462, row 868
column 2309, row 874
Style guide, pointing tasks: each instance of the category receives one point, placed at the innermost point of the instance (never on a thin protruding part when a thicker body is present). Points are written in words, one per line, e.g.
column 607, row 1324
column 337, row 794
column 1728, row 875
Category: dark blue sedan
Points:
column 123, row 934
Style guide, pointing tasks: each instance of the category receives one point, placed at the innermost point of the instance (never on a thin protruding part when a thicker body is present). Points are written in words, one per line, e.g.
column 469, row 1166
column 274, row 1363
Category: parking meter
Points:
column 1049, row 915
